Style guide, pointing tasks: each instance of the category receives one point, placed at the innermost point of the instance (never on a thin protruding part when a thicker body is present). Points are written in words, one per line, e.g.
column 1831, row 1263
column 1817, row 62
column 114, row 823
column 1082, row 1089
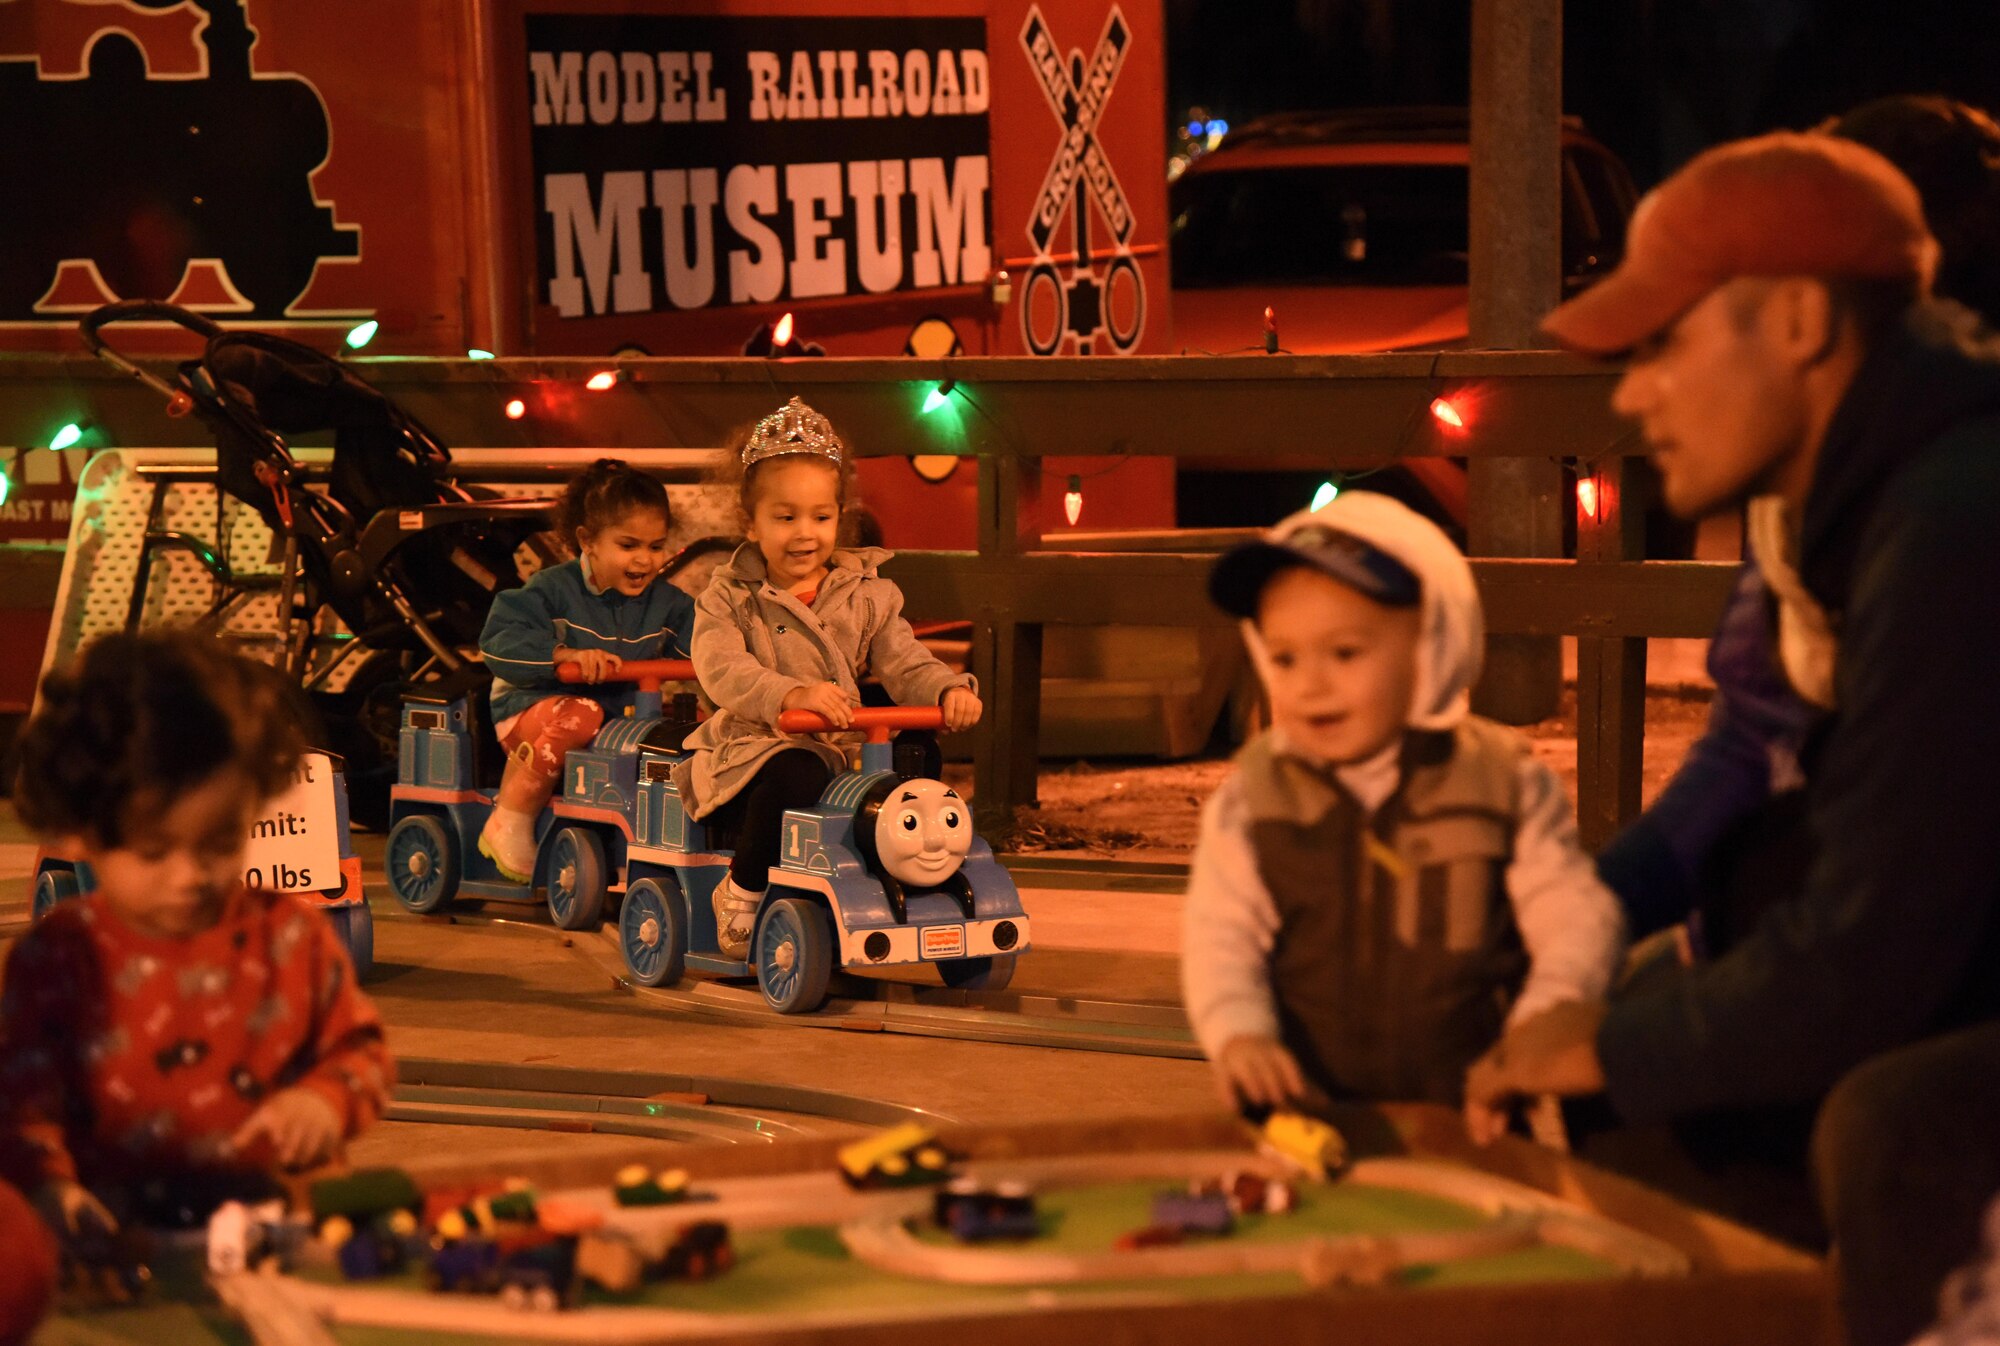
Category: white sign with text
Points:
column 295, row 842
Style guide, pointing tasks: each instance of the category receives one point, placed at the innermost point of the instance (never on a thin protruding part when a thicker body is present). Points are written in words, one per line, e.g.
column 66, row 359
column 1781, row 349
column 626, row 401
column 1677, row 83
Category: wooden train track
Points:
column 1517, row 1217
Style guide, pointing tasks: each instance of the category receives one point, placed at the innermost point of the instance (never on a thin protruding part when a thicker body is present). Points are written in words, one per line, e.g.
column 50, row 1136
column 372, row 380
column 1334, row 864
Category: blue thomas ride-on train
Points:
column 884, row 871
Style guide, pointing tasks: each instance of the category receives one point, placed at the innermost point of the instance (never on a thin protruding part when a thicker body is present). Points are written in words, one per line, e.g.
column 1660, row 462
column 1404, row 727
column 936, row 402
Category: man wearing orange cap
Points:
column 1784, row 356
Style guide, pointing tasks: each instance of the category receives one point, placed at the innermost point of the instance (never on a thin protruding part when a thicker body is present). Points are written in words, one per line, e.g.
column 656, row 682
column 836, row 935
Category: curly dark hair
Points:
column 1951, row 152
column 138, row 720
column 604, row 493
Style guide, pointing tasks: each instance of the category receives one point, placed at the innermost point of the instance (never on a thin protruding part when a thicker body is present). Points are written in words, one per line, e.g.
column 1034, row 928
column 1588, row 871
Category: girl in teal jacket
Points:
column 610, row 604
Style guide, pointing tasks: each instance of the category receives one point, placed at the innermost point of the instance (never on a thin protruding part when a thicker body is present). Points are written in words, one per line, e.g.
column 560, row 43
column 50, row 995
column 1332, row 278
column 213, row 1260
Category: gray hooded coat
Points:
column 753, row 643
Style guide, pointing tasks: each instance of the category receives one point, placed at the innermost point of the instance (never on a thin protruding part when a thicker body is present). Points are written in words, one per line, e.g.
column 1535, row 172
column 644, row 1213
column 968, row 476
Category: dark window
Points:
column 1363, row 224
column 1611, row 197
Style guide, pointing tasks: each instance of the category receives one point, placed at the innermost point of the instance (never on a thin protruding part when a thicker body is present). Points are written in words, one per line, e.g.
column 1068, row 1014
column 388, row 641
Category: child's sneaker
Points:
column 508, row 840
column 735, row 915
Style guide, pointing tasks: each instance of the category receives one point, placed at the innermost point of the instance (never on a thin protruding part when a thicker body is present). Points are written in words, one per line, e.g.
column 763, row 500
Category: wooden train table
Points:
column 1424, row 1239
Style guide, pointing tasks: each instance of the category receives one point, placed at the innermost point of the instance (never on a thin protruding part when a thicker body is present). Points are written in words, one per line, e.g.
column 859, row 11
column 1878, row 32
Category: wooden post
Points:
column 1007, row 654
column 1516, row 276
column 1610, row 671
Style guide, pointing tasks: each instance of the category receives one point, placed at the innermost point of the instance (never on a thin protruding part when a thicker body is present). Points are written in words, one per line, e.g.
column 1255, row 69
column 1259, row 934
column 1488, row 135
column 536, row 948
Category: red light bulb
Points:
column 602, row 381
column 1073, row 501
column 516, row 409
column 781, row 335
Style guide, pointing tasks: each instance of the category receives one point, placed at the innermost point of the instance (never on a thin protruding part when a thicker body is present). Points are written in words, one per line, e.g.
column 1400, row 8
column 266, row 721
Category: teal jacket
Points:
column 559, row 607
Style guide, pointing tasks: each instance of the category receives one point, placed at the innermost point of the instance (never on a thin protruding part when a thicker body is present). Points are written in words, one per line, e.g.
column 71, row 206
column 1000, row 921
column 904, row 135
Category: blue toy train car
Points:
column 883, row 871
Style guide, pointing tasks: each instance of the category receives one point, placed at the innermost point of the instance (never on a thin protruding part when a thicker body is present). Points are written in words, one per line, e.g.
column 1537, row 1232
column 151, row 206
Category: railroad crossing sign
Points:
column 1055, row 307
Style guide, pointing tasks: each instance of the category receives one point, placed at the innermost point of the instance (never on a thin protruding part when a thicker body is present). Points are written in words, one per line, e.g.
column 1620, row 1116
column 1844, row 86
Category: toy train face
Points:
column 920, row 833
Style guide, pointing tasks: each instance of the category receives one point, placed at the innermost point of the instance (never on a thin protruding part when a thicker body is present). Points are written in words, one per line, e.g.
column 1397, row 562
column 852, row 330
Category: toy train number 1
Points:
column 884, row 870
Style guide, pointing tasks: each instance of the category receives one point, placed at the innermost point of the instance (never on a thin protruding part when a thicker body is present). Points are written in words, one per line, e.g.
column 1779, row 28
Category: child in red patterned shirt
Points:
column 173, row 1026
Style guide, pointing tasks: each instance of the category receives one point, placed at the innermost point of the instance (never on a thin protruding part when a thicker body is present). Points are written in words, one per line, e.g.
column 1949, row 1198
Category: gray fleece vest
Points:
column 1397, row 953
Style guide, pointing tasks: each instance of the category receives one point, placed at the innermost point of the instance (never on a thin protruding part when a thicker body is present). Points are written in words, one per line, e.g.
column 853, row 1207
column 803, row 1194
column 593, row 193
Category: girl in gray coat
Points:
column 792, row 623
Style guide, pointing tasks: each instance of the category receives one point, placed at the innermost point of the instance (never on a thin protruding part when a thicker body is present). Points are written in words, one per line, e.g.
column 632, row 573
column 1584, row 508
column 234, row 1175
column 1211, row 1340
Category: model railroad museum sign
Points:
column 807, row 158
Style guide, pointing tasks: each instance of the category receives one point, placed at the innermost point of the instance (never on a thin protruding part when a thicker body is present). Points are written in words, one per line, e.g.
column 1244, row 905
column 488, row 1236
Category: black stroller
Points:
column 404, row 556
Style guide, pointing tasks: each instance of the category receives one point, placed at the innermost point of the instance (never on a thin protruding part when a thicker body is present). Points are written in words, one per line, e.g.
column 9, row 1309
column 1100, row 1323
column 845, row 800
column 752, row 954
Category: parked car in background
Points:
column 1353, row 228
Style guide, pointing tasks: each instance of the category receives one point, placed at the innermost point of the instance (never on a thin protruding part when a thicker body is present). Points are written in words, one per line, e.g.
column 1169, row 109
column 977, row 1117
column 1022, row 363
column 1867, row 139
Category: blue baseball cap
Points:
column 1237, row 582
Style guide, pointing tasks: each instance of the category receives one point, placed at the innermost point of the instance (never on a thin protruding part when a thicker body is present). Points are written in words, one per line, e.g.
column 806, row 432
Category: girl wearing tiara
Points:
column 792, row 622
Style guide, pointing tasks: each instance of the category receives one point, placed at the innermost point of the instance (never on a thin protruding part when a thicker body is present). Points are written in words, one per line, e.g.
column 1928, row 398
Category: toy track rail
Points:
column 864, row 1004
column 682, row 1108
column 1039, row 870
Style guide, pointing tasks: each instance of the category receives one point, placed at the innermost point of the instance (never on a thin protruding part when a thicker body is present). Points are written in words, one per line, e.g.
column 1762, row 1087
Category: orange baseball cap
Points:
column 1784, row 204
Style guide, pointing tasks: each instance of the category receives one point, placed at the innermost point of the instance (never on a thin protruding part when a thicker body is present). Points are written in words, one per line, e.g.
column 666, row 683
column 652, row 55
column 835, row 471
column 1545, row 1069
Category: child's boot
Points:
column 508, row 839
column 735, row 914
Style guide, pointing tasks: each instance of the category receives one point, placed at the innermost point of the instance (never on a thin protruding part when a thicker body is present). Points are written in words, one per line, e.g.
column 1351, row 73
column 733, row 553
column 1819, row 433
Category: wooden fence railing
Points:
column 1337, row 413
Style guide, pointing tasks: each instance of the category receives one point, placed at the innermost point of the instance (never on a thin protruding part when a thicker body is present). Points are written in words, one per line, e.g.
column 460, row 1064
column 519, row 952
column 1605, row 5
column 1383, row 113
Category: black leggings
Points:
column 792, row 779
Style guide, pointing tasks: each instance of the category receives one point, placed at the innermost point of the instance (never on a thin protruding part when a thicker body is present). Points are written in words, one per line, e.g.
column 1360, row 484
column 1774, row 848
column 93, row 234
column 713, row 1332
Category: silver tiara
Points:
column 793, row 428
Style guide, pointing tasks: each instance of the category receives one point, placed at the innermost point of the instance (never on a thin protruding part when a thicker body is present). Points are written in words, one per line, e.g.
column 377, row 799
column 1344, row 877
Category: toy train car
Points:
column 883, row 871
column 59, row 878
column 902, row 1156
column 1304, row 1142
column 974, row 1212
column 243, row 1237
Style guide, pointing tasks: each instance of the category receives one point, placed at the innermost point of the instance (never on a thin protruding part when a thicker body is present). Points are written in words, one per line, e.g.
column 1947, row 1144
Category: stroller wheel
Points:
column 422, row 863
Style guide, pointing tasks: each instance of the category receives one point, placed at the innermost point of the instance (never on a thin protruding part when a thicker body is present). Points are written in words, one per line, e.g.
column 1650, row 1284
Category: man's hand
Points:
column 591, row 665
column 822, row 698
column 300, row 1126
column 69, row 1209
column 1254, row 1070
column 961, row 708
column 1553, row 1053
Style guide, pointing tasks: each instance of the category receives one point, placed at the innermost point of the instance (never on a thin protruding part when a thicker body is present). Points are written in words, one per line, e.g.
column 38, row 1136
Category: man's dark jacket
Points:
column 1896, row 933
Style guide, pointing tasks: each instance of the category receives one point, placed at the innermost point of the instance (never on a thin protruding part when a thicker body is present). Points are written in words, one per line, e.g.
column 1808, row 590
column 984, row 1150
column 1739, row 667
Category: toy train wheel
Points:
column 794, row 951
column 978, row 974
column 653, row 932
column 514, row 1296
column 575, row 870
column 356, row 927
column 421, row 859
column 57, row 883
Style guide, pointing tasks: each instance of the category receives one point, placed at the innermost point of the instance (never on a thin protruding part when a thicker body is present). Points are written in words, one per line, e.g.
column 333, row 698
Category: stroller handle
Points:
column 132, row 310
column 648, row 673
column 875, row 721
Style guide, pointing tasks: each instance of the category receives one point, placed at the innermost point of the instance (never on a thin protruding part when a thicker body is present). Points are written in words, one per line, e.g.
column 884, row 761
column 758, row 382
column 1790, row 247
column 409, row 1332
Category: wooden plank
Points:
column 1347, row 411
column 1007, row 660
column 1610, row 671
column 1514, row 229
column 1535, row 597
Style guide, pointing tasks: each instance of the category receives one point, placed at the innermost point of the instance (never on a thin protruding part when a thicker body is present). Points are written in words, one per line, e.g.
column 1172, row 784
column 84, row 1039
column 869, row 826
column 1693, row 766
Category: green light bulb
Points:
column 476, row 354
column 934, row 399
column 6, row 485
column 67, row 436
column 1325, row 495
column 361, row 334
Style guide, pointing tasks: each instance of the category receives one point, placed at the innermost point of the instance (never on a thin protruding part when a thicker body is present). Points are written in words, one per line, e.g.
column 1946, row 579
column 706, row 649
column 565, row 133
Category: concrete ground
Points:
column 473, row 993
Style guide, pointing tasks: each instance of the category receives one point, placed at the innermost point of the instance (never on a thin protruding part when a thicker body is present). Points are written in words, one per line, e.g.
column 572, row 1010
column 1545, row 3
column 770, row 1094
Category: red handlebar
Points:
column 648, row 673
column 875, row 721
